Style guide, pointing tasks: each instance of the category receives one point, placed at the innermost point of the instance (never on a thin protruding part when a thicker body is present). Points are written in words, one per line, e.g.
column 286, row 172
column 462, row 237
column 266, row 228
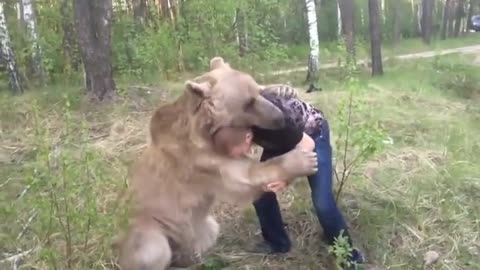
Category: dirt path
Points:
column 468, row 49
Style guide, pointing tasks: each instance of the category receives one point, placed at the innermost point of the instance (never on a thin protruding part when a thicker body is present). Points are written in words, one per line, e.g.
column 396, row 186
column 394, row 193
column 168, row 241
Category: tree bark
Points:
column 375, row 37
column 93, row 27
column 459, row 14
column 451, row 18
column 417, row 11
column 313, row 62
column 168, row 9
column 396, row 23
column 69, row 43
column 32, row 34
column 427, row 20
column 7, row 55
column 140, row 11
column 446, row 12
column 348, row 29
column 339, row 21
column 470, row 14
column 241, row 31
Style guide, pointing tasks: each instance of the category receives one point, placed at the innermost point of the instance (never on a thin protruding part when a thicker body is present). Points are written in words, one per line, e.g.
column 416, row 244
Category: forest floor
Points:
column 64, row 162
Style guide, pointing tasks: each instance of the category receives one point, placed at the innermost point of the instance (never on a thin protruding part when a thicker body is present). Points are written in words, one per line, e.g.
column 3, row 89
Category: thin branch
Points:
column 6, row 182
column 349, row 118
column 14, row 259
column 27, row 224
column 24, row 191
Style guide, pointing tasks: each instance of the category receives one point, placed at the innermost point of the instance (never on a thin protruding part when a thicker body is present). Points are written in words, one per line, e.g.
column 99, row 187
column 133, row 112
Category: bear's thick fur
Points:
column 179, row 176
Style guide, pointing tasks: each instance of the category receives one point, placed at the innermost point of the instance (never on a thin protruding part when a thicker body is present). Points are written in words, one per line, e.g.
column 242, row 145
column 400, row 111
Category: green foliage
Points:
column 342, row 251
column 62, row 194
column 200, row 29
column 359, row 134
column 459, row 79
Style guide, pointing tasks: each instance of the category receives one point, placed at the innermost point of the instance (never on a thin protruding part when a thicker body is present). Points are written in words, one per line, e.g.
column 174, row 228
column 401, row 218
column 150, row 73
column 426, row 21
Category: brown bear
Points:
column 179, row 176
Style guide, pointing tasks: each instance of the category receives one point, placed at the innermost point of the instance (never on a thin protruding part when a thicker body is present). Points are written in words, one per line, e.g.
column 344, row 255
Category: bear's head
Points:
column 232, row 98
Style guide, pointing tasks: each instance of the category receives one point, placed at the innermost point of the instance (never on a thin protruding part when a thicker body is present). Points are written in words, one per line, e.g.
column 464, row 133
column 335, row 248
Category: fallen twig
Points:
column 27, row 224
column 24, row 191
column 14, row 259
column 6, row 182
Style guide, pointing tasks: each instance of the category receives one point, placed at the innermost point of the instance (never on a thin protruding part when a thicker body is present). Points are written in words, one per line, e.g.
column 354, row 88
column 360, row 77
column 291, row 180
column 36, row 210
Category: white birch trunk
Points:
column 382, row 9
column 31, row 25
column 7, row 54
column 19, row 11
column 235, row 27
column 313, row 62
column 362, row 16
column 339, row 20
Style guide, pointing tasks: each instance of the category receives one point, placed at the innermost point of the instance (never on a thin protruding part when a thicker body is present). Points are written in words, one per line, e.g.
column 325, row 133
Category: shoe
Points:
column 356, row 260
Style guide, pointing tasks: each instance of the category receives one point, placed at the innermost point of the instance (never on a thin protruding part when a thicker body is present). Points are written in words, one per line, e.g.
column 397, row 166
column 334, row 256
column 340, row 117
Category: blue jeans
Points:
column 328, row 214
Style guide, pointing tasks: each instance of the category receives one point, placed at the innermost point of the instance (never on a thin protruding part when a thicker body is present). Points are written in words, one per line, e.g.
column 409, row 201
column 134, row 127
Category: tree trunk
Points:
column 396, row 23
column 470, row 14
column 93, row 27
column 459, row 14
column 21, row 21
column 375, row 37
column 32, row 34
column 241, row 31
column 140, row 11
column 168, row 9
column 416, row 19
column 382, row 12
column 339, row 21
column 427, row 20
column 313, row 62
column 451, row 18
column 70, row 44
column 7, row 55
column 348, row 29
column 446, row 12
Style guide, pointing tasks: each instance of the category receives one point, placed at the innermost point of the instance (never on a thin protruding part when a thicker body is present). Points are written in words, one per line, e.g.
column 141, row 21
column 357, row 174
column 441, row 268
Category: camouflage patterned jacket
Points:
column 298, row 113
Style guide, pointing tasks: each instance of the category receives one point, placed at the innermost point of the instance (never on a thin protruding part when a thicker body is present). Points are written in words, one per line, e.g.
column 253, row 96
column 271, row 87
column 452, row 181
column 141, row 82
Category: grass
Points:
column 64, row 164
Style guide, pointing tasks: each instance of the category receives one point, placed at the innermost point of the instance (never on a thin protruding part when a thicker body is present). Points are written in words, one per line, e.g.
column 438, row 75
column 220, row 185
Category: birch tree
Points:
column 313, row 62
column 93, row 27
column 339, row 21
column 32, row 34
column 7, row 55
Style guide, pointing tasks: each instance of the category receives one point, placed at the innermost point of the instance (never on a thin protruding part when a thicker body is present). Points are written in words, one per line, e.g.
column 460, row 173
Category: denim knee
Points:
column 325, row 206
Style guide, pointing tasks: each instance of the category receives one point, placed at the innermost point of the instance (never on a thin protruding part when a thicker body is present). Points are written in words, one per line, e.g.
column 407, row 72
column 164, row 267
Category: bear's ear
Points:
column 200, row 89
column 217, row 62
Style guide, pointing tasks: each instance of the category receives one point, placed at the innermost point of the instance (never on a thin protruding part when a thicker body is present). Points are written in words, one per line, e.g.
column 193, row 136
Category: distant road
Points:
column 426, row 54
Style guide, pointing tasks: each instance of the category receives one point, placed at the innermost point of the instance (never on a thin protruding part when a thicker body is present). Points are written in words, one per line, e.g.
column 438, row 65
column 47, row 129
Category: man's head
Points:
column 232, row 141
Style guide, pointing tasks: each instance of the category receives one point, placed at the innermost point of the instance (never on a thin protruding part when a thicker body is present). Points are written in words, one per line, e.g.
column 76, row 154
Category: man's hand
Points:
column 276, row 186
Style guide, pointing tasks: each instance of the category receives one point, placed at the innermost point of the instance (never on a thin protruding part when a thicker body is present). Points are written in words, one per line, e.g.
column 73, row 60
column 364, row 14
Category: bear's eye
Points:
column 249, row 104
